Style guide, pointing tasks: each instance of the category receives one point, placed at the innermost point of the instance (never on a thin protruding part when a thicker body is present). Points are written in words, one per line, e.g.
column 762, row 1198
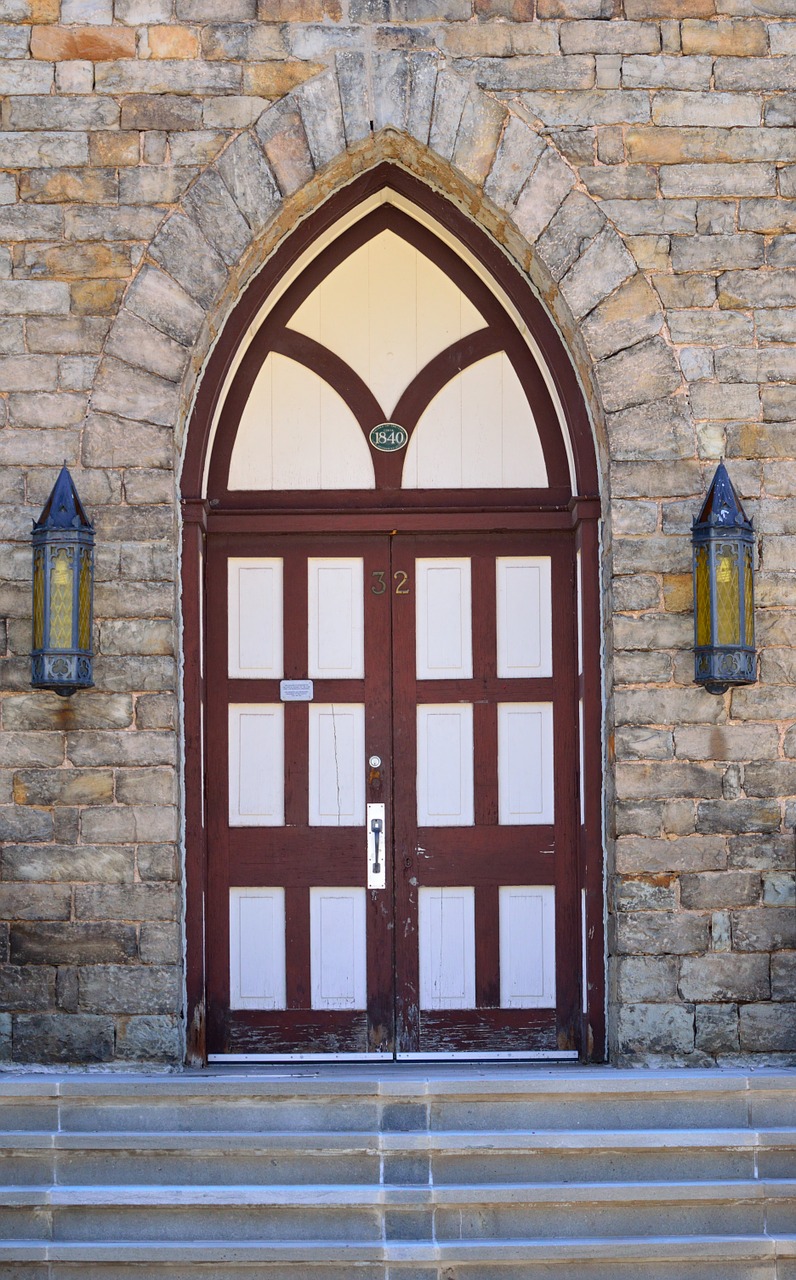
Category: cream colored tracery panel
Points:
column 478, row 432
column 297, row 433
column 386, row 310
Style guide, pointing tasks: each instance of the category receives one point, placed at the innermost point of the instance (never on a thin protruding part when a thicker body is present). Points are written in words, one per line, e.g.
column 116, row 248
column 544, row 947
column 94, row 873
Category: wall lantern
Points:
column 63, row 591
column 724, row 625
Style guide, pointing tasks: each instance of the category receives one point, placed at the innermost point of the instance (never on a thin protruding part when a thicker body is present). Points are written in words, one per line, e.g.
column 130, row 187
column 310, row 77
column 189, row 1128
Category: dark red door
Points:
column 392, row 754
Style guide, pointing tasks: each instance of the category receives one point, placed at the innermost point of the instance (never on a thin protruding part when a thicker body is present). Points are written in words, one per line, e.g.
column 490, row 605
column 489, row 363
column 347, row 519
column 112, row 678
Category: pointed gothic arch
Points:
column 273, row 323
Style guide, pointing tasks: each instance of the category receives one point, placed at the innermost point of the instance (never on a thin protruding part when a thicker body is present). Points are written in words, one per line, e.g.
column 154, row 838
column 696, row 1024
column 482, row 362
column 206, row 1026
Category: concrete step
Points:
column 398, row 1158
column 418, row 1214
column 481, row 1173
column 481, row 1098
column 735, row 1257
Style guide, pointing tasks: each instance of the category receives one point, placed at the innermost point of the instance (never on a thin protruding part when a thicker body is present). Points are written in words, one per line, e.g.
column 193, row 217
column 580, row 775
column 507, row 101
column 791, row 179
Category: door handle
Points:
column 376, row 825
column 376, row 846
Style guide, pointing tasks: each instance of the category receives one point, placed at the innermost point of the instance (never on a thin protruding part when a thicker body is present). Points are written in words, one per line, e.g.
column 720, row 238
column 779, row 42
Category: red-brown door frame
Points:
column 203, row 516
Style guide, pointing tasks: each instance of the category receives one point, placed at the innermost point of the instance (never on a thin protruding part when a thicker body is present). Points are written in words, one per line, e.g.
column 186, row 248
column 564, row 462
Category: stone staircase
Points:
column 398, row 1173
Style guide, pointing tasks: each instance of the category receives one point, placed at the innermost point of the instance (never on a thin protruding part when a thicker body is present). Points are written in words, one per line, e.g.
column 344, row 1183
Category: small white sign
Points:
column 296, row 690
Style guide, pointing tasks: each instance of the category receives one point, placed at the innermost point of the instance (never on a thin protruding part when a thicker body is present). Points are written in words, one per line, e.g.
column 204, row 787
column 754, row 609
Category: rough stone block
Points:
column 18, row 824
column 148, row 989
column 717, row 1028
column 117, row 748
column 574, row 9
column 754, row 73
column 161, row 111
column 62, row 786
column 724, row 976
column 146, row 786
column 118, row 442
column 640, row 71
column 772, row 703
column 645, row 978
column 35, row 902
column 746, row 289
column 248, row 42
column 136, row 902
column 662, row 933
column 631, row 314
column 649, row 781
column 518, row 151
column 353, row 81
column 63, row 944
column 656, row 1028
column 542, row 195
column 160, row 943
column 559, row 72
column 167, row 76
column 783, row 976
column 645, row 893
column 33, row 297
column 449, row 98
column 172, row 42
column 150, row 1039
column 145, row 347
column 685, row 853
column 22, row 988
column 75, row 863
column 726, row 742
column 640, row 374
column 250, row 181
column 604, row 265
column 58, row 44
column 764, row 929
column 610, row 37
column 779, row 889
column 718, row 180
column 134, row 394
column 409, row 10
column 773, row 778
column 738, row 815
column 126, row 822
column 723, row 401
column 41, row 750
column 214, row 211
column 184, row 252
column 575, row 224
column 768, row 1027
column 88, row 710
column 158, row 299
column 158, row 862
column 642, row 668
column 62, row 1037
column 479, row 132
column 281, row 132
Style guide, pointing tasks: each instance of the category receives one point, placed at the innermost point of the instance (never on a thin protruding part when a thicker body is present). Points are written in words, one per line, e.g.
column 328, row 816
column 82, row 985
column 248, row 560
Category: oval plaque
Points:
column 388, row 437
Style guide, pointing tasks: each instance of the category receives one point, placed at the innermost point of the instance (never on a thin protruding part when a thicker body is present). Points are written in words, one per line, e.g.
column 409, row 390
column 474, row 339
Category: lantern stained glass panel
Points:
column 61, row 598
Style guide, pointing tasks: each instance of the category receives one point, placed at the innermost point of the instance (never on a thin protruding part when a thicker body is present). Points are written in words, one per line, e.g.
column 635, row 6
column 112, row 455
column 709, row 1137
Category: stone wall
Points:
column 645, row 174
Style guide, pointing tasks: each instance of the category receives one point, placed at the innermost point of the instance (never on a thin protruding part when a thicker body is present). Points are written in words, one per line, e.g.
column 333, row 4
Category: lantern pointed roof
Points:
column 722, row 507
column 63, row 509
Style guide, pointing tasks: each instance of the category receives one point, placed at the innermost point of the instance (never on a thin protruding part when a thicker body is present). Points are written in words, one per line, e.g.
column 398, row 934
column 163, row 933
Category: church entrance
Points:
column 395, row 750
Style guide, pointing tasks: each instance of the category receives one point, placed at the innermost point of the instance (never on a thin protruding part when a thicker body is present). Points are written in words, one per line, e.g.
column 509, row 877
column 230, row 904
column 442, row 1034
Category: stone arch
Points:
column 411, row 109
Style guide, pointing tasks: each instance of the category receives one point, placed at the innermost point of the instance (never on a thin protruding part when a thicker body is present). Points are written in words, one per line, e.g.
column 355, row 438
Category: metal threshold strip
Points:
column 498, row 1055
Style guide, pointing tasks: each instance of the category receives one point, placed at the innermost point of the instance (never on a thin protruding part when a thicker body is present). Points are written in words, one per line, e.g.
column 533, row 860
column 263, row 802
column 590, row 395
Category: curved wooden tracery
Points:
column 499, row 334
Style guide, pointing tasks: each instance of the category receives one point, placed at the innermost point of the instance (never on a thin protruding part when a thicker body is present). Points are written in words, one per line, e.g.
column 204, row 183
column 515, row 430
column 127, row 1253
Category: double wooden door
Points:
column 392, row 755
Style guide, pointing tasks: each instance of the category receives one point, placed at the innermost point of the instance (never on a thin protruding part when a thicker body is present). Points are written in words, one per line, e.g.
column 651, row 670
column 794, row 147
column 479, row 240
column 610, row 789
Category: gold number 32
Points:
column 380, row 585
